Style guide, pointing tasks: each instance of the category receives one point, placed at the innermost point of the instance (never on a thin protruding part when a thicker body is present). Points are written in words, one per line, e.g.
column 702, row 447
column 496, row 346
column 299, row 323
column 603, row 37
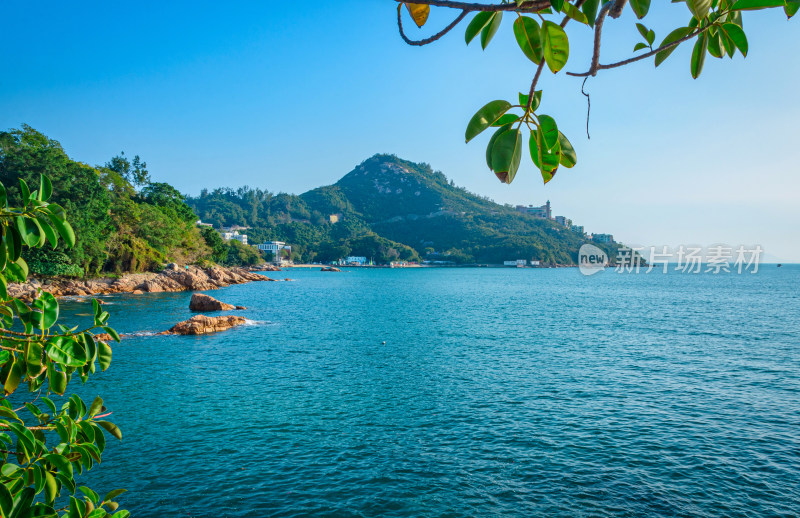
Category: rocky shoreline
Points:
column 171, row 278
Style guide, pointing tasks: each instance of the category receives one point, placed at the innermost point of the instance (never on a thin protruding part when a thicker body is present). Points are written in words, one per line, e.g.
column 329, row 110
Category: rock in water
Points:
column 203, row 325
column 202, row 302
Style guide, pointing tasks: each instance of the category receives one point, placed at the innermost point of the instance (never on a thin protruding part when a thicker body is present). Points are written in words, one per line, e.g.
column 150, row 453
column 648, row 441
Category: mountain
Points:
column 388, row 208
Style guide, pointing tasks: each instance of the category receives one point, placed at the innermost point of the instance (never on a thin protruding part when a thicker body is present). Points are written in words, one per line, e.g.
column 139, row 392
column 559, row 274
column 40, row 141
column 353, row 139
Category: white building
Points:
column 275, row 248
column 236, row 236
column 519, row 263
column 356, row 259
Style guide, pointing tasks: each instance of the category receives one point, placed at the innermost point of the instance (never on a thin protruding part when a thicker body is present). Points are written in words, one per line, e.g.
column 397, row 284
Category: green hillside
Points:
column 388, row 208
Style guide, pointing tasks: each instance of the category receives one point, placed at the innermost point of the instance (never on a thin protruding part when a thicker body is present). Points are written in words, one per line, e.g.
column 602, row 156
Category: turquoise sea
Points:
column 513, row 392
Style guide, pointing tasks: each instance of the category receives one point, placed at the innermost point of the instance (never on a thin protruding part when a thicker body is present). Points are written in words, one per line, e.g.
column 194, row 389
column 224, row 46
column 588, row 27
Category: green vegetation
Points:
column 390, row 209
column 119, row 228
column 45, row 445
column 715, row 25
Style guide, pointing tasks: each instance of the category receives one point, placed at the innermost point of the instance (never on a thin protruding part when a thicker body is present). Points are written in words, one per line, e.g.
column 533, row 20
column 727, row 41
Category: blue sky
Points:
column 285, row 97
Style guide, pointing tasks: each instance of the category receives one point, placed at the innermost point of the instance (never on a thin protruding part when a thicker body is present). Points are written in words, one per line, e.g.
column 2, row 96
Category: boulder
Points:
column 330, row 269
column 203, row 325
column 202, row 302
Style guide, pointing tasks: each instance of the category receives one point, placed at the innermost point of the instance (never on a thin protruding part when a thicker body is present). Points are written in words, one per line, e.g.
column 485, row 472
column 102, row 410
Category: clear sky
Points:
column 288, row 97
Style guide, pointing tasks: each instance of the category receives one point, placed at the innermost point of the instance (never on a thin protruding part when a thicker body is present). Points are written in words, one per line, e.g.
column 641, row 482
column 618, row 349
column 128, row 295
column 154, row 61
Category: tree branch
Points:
column 531, row 6
column 643, row 56
column 433, row 38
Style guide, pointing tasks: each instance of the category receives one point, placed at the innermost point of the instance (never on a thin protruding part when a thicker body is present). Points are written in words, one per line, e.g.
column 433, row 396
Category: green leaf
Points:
column 715, row 47
column 50, row 488
column 60, row 462
column 48, row 230
column 14, row 377
column 568, row 156
column 791, row 7
column 104, row 355
column 45, row 188
column 557, row 4
column 114, row 494
column 506, row 155
column 477, row 24
column 7, row 413
column 485, row 117
column 546, row 160
column 673, row 36
column 490, row 30
column 752, row 5
column 29, row 230
column 492, row 140
column 23, row 505
column 529, row 38
column 699, row 8
column 33, row 358
column 699, row 55
column 64, row 229
column 556, row 46
column 590, row 8
column 50, row 309
column 640, row 7
column 650, row 37
column 95, row 407
column 111, row 428
column 549, row 131
column 57, row 379
column 574, row 13
column 737, row 35
column 508, row 118
column 6, row 500
column 25, row 192
column 121, row 514
column 639, row 46
column 66, row 351
column 23, row 435
column 3, row 196
column 642, row 30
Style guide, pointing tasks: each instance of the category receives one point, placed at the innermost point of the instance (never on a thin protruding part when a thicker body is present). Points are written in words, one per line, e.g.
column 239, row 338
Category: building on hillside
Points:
column 535, row 263
column 353, row 259
column 235, row 236
column 276, row 248
column 602, row 238
column 563, row 220
column 540, row 212
column 233, row 228
column 335, row 218
column 519, row 263
column 578, row 229
column 201, row 224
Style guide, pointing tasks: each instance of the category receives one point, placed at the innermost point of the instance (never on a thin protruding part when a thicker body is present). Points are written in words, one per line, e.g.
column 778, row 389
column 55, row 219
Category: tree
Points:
column 44, row 445
column 715, row 25
column 219, row 250
column 134, row 171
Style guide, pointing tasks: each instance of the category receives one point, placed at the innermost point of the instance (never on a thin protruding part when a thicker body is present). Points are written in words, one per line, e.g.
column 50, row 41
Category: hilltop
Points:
column 389, row 208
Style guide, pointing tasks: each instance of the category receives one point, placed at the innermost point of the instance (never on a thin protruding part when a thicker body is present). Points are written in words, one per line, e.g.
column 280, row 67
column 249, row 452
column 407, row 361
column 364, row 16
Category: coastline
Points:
column 171, row 279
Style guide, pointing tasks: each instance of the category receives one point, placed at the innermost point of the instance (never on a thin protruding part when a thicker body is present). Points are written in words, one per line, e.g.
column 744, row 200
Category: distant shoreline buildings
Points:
column 546, row 212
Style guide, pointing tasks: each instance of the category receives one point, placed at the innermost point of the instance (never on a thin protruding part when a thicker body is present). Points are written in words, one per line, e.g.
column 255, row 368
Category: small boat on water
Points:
column 779, row 265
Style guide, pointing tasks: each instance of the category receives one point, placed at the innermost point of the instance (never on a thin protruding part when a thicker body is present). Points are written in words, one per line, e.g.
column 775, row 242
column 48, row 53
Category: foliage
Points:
column 219, row 250
column 44, row 446
column 242, row 255
column 119, row 229
column 387, row 209
column 47, row 262
column 716, row 25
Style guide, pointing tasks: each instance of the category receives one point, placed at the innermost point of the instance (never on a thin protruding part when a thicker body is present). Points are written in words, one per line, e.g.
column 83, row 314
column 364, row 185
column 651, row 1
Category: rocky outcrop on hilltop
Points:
column 203, row 325
column 172, row 278
column 201, row 302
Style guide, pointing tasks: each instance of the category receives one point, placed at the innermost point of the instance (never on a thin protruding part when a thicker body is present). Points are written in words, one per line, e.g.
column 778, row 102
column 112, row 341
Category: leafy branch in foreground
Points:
column 716, row 25
column 45, row 446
